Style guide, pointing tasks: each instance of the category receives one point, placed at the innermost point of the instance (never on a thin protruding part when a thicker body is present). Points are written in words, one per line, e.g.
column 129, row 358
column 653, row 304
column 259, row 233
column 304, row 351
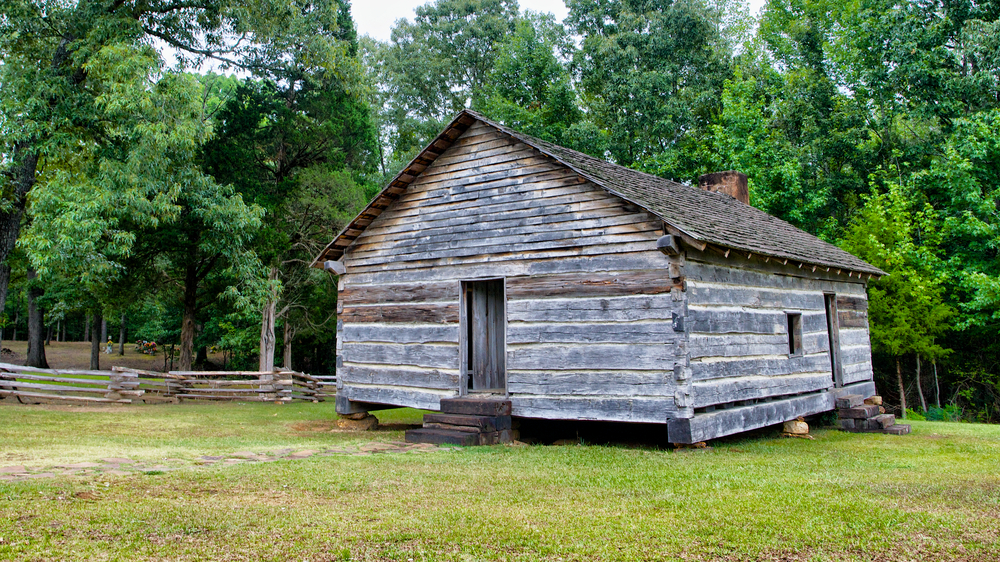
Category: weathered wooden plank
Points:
column 409, row 293
column 505, row 253
column 855, row 354
column 774, row 268
column 42, row 378
column 639, row 357
column 36, row 397
column 770, row 366
column 522, row 221
column 552, row 231
column 853, row 337
column 510, row 266
column 592, row 383
column 532, row 213
column 723, row 391
column 400, row 333
column 586, row 284
column 598, row 408
column 857, row 372
column 12, row 385
column 706, row 294
column 652, row 332
column 736, row 345
column 611, row 309
column 556, row 243
column 394, row 395
column 392, row 375
column 434, row 356
column 704, row 427
column 553, row 199
column 853, row 319
column 414, row 313
column 723, row 272
column 436, row 193
column 472, row 165
column 718, row 320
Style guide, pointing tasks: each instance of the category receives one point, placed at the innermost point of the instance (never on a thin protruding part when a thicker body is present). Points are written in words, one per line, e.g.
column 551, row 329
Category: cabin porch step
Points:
column 866, row 416
column 466, row 421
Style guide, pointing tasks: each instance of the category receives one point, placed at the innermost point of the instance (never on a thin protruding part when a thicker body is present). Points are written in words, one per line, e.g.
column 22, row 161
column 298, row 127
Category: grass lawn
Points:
column 932, row 495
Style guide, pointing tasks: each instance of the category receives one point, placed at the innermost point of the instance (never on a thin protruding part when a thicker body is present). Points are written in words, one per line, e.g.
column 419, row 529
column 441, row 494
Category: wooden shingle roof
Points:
column 702, row 218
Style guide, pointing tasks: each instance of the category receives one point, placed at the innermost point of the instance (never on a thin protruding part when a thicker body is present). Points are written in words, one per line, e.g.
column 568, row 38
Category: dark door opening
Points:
column 833, row 331
column 485, row 336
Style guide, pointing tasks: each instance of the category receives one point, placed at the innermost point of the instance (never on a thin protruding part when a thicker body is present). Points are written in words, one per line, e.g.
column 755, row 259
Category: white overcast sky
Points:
column 375, row 17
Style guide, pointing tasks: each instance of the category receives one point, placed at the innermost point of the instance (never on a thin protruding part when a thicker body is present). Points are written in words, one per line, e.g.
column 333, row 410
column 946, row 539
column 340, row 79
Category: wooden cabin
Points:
column 498, row 264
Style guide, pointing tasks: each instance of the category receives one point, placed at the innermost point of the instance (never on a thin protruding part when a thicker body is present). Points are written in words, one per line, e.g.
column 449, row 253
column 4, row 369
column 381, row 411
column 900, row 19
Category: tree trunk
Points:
column 902, row 391
column 187, row 323
column 36, row 326
column 22, row 180
column 937, row 387
column 104, row 330
column 920, row 390
column 48, row 335
column 95, row 346
column 63, row 338
column 121, row 337
column 287, row 362
column 266, row 361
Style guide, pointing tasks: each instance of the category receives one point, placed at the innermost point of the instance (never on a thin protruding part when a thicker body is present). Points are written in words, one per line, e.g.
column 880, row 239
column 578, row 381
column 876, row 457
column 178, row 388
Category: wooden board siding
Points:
column 589, row 304
column 738, row 332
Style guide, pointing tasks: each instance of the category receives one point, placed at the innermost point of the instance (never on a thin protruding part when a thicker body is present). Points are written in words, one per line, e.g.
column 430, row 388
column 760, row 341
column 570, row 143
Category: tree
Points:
column 65, row 66
column 907, row 311
column 437, row 65
column 531, row 90
column 651, row 72
column 299, row 151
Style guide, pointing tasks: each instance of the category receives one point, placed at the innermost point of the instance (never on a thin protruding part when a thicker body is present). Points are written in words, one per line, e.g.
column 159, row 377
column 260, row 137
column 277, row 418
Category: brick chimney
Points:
column 731, row 182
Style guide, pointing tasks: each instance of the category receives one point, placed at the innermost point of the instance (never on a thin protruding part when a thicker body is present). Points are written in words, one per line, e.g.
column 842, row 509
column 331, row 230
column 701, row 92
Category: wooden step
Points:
column 897, row 429
column 442, row 437
column 850, row 401
column 883, row 421
column 862, row 412
column 482, row 423
column 449, row 427
column 475, row 406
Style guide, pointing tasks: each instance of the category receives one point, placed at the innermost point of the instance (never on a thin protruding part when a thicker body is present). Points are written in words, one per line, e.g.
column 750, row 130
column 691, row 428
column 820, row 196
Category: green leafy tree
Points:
column 907, row 311
column 437, row 65
column 651, row 72
column 531, row 90
column 74, row 81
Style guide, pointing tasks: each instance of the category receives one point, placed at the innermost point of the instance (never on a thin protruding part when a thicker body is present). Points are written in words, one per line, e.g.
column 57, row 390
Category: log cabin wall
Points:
column 591, row 312
column 744, row 374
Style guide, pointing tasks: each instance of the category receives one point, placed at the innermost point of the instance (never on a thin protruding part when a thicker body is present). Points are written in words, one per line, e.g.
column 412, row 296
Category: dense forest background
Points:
column 166, row 203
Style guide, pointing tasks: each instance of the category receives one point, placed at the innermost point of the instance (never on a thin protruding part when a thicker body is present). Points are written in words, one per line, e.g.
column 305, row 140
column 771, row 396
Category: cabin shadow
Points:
column 616, row 434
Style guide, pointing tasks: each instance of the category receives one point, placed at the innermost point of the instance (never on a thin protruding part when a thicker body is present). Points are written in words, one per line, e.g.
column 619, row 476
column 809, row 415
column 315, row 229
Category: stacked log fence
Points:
column 122, row 385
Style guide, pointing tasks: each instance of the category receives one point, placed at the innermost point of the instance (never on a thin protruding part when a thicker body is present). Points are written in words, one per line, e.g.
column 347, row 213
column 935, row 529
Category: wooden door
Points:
column 833, row 332
column 485, row 343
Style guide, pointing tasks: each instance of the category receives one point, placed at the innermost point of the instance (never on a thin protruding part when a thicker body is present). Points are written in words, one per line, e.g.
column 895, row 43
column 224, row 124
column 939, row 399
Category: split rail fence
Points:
column 122, row 385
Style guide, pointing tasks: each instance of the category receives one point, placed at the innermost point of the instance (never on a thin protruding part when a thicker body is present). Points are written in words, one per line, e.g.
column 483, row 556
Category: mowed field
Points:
column 266, row 482
column 76, row 355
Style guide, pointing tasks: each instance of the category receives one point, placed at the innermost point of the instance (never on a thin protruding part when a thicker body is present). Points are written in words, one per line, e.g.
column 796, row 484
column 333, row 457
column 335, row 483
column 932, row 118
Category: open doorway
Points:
column 833, row 332
column 484, row 335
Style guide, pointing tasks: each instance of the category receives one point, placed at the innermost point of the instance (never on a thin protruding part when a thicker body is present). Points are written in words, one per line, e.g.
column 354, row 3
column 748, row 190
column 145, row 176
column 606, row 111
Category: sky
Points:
column 375, row 17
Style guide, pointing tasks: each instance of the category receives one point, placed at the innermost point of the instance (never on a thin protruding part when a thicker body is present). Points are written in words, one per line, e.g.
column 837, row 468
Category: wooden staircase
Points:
column 466, row 421
column 859, row 415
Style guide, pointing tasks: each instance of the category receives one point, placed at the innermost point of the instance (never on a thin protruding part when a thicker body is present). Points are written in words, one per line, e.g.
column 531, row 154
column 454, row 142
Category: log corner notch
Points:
column 336, row 267
column 669, row 244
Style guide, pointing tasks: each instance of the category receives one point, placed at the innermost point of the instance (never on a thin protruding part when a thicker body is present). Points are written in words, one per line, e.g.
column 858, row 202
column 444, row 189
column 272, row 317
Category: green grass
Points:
column 932, row 495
